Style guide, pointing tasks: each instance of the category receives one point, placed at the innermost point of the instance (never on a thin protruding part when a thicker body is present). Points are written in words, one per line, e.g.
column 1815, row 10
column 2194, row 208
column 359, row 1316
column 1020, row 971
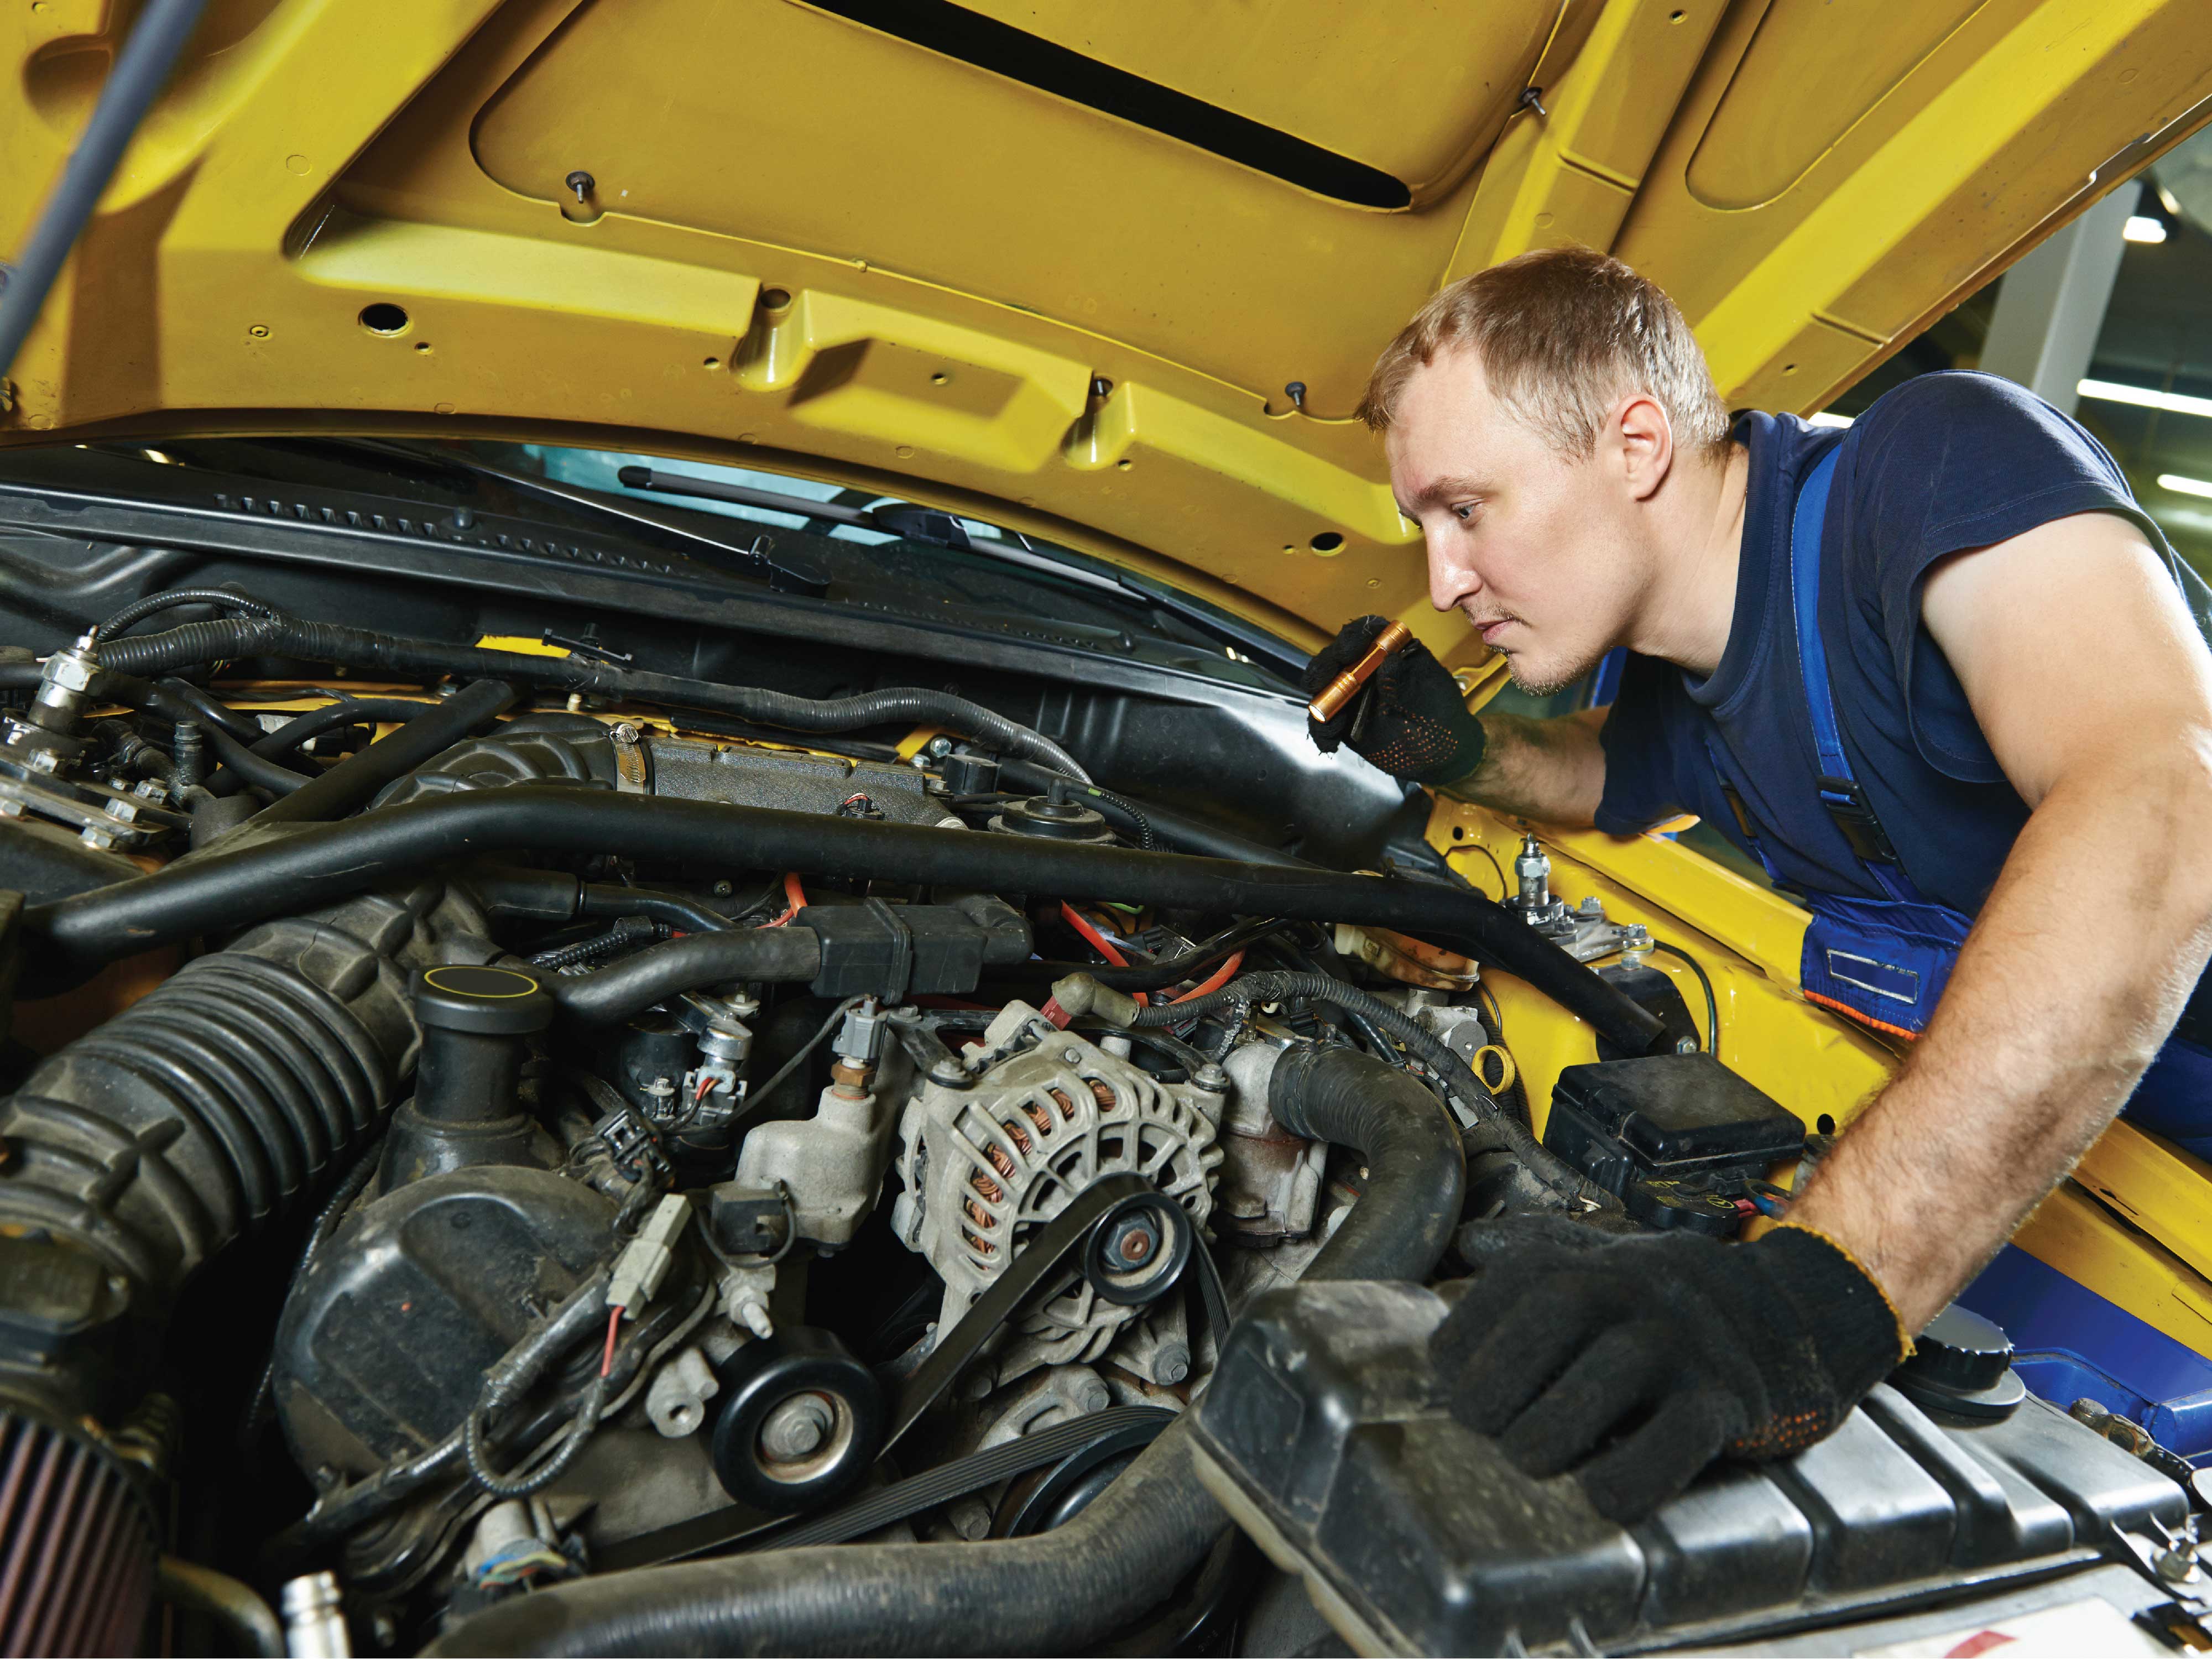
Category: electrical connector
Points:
column 644, row 1262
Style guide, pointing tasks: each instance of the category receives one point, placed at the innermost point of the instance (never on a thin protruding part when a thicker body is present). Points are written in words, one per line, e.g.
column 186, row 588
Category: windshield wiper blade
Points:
column 900, row 519
column 783, row 571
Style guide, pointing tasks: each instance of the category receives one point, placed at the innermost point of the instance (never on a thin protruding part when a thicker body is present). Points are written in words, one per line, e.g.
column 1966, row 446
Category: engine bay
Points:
column 507, row 1144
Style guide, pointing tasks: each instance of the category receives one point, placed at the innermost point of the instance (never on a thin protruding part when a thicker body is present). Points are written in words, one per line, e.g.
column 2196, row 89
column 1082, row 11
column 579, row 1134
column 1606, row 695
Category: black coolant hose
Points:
column 612, row 994
column 1417, row 1177
column 198, row 643
column 355, row 780
column 1566, row 1186
column 224, row 890
column 1064, row 1591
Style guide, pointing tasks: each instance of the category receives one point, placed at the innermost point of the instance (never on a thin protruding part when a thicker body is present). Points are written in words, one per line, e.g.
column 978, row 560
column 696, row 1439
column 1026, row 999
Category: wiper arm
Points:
column 783, row 573
column 910, row 523
column 923, row 523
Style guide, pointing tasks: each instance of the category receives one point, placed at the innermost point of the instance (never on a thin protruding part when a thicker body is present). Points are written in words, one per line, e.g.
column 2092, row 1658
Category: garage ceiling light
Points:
column 2143, row 227
column 2181, row 486
column 2143, row 397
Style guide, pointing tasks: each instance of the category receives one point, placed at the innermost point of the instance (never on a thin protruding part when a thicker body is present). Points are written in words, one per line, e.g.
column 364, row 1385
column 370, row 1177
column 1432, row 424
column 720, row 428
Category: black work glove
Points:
column 1410, row 719
column 1638, row 1361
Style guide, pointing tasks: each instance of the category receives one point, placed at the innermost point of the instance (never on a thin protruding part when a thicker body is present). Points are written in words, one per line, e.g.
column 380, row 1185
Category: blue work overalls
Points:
column 1886, row 961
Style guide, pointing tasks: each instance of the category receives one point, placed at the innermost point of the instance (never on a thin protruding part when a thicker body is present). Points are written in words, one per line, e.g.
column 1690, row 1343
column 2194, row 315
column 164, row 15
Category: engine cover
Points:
column 983, row 1165
column 383, row 1348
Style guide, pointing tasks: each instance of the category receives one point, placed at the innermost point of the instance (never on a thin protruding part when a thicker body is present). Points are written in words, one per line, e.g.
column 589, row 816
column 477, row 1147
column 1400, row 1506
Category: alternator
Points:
column 985, row 1164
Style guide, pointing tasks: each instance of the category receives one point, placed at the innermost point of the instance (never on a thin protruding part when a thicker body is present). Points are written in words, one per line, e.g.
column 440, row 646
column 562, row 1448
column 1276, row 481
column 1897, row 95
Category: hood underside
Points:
column 1114, row 274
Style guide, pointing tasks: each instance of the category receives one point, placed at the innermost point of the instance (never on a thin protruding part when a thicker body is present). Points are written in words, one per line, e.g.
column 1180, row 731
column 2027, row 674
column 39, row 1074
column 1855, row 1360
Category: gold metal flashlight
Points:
column 1338, row 692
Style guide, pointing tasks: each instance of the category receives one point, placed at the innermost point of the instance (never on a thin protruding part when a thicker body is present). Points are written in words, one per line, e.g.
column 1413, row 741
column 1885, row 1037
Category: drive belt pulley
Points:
column 1092, row 1232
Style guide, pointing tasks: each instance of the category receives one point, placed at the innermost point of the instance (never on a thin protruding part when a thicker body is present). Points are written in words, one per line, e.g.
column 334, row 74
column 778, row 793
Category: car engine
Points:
column 517, row 1136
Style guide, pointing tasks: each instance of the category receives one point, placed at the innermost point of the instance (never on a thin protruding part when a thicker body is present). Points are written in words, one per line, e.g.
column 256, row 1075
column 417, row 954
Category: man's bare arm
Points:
column 1550, row 770
column 2095, row 692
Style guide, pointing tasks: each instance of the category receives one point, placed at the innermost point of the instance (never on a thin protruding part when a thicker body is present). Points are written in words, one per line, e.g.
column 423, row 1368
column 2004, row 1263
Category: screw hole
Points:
column 775, row 299
column 1824, row 1124
column 1328, row 541
column 384, row 317
column 713, row 362
column 422, row 345
column 1459, row 832
column 1675, row 16
column 939, row 377
column 1789, row 368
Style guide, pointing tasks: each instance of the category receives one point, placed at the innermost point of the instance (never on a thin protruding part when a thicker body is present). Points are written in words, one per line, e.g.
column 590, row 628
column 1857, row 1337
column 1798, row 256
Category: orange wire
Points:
column 607, row 1360
column 1099, row 942
column 1214, row 981
column 794, row 898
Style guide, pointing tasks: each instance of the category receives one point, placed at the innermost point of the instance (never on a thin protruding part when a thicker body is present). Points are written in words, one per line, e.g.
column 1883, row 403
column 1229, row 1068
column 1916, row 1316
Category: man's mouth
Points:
column 1491, row 630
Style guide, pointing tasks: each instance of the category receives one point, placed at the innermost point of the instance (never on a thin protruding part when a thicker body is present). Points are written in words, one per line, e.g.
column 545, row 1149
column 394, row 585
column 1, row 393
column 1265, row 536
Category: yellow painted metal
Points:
column 964, row 254
column 2072, row 1232
column 2158, row 1187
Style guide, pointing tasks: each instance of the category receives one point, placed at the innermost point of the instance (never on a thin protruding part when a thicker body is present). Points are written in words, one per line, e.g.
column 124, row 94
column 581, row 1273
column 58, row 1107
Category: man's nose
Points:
column 1451, row 579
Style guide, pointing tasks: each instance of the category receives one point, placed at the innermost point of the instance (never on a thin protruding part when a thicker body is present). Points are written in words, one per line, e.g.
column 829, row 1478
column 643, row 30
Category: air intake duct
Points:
column 213, row 1104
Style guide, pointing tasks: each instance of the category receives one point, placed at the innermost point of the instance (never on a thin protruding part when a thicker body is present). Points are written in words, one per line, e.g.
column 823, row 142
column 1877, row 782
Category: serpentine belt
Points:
column 1052, row 1244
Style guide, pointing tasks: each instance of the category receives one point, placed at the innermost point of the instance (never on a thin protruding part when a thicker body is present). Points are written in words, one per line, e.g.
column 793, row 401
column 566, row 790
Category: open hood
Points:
column 1114, row 273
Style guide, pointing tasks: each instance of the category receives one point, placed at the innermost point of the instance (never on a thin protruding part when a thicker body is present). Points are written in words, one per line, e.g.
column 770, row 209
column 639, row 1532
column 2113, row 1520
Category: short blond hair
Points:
column 1562, row 334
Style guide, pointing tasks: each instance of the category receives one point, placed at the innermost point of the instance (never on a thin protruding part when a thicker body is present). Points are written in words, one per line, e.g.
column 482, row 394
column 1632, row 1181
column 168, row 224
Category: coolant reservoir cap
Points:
column 482, row 1001
column 1962, row 1363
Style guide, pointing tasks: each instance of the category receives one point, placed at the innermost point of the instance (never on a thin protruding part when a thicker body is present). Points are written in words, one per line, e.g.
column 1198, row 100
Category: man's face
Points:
column 1534, row 546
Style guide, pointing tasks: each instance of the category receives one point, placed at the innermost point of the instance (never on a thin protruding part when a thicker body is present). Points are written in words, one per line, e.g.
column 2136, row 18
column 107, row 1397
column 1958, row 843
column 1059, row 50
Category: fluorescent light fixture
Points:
column 2143, row 397
column 1824, row 418
column 2181, row 486
column 2143, row 227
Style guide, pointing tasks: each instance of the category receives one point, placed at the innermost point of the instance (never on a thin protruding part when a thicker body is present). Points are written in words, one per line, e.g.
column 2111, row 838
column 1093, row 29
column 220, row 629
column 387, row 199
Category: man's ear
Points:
column 1644, row 439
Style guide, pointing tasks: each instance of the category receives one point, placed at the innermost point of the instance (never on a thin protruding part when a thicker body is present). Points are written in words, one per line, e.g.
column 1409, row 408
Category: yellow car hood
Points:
column 1112, row 272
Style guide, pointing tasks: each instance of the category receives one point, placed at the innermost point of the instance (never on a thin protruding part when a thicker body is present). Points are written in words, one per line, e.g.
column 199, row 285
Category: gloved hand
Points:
column 1639, row 1360
column 1410, row 719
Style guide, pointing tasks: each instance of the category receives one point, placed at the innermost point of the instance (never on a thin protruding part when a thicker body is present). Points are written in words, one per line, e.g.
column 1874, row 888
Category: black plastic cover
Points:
column 1325, row 1437
column 1667, row 1116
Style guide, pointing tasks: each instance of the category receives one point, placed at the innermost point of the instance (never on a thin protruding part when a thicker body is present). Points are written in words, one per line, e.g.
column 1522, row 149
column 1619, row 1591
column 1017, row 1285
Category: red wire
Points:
column 1214, row 981
column 607, row 1360
column 794, row 898
column 1099, row 942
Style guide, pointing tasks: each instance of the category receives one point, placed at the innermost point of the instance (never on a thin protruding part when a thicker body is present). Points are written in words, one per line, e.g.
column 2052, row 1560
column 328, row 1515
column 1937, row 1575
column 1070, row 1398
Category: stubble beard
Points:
column 1553, row 678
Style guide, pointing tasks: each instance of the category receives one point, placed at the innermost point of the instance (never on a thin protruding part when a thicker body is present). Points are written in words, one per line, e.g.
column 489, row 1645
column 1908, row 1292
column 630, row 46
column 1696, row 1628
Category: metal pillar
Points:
column 2052, row 304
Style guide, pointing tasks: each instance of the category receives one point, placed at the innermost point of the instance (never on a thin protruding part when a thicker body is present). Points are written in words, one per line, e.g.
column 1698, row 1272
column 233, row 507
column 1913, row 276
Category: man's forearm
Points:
column 2072, row 976
column 1550, row 770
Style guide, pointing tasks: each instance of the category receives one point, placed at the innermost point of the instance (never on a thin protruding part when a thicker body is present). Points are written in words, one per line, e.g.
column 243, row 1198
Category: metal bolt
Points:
column 1296, row 391
column 1593, row 906
column 796, row 1429
column 1092, row 1396
column 970, row 1518
column 582, row 183
column 1211, row 1078
column 1134, row 1239
column 940, row 747
column 1070, row 1055
column 1171, row 1363
column 1533, row 98
column 623, row 731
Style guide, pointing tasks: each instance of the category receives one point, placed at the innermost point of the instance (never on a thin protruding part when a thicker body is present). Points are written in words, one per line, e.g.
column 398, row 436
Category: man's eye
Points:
column 1464, row 511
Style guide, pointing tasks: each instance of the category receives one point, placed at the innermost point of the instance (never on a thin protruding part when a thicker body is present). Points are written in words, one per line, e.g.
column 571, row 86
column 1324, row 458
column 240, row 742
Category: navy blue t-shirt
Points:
column 1942, row 463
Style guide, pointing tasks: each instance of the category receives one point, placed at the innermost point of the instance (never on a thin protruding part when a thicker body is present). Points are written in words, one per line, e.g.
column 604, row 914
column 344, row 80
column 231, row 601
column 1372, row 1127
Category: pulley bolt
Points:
column 796, row 1429
column 1133, row 1240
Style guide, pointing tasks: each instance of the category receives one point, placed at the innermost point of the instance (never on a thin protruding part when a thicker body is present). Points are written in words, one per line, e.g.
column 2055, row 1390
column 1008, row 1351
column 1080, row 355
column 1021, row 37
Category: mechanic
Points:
column 1939, row 674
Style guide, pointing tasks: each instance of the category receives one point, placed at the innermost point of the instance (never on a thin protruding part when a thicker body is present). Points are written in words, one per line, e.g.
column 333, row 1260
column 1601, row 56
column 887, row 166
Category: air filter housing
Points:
column 77, row 1545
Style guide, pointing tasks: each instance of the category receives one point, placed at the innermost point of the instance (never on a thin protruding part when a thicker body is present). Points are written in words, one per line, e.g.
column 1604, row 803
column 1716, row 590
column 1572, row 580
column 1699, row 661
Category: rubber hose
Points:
column 314, row 865
column 364, row 711
column 197, row 643
column 612, row 994
column 1567, row 1185
column 1417, row 1177
column 355, row 780
column 600, row 898
column 1063, row 1591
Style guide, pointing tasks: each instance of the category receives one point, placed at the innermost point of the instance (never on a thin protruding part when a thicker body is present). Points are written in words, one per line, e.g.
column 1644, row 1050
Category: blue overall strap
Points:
column 1840, row 791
